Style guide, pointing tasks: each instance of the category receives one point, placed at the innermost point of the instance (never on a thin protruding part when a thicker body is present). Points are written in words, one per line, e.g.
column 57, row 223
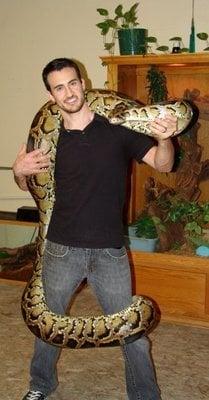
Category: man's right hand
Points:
column 28, row 164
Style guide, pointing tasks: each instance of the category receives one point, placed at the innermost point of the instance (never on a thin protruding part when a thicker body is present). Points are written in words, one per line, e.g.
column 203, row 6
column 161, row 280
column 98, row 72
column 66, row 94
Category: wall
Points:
column 34, row 32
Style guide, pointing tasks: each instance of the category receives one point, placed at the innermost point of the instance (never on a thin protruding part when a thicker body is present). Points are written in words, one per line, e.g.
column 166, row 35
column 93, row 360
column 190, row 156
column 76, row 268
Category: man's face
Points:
column 67, row 90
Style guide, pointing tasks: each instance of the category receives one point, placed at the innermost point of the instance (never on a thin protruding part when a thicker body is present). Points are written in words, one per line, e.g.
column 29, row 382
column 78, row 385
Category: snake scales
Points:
column 77, row 332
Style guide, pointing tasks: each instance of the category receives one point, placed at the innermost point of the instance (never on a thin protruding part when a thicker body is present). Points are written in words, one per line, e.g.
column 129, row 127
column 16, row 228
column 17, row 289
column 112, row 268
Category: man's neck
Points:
column 78, row 120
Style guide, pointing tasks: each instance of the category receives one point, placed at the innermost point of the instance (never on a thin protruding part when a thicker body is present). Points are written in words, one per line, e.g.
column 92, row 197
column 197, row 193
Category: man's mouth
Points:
column 70, row 100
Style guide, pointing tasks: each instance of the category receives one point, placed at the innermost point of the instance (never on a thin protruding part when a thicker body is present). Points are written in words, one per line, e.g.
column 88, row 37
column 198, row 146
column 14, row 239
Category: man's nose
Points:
column 68, row 91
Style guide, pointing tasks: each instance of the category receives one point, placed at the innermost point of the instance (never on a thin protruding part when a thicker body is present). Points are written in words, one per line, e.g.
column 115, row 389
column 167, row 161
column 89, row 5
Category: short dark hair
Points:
column 56, row 65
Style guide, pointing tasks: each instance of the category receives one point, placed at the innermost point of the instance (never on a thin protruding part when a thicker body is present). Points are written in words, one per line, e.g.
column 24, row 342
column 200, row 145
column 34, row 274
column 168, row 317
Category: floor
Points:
column 181, row 355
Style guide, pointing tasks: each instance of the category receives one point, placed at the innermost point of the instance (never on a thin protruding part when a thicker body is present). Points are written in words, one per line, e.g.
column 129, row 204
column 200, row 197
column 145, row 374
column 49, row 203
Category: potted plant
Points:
column 142, row 233
column 132, row 40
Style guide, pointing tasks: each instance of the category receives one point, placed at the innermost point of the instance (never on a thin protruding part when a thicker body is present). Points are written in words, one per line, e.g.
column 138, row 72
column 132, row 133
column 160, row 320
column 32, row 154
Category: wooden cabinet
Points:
column 128, row 73
column 179, row 284
column 187, row 76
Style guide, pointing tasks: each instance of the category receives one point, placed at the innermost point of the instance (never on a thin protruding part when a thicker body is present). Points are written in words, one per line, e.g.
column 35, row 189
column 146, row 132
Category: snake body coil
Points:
column 78, row 332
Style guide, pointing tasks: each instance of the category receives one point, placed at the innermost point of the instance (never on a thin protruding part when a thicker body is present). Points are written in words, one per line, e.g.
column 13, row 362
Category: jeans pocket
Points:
column 56, row 249
column 116, row 253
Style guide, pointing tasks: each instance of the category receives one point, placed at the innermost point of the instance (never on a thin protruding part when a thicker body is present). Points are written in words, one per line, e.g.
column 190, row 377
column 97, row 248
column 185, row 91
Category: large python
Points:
column 139, row 317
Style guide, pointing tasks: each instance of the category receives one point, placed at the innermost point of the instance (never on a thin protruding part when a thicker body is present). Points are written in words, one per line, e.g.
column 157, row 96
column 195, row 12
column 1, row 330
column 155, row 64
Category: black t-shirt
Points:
column 90, row 175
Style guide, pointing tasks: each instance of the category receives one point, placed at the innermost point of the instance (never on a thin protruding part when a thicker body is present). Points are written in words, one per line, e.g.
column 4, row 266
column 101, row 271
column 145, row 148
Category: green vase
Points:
column 132, row 41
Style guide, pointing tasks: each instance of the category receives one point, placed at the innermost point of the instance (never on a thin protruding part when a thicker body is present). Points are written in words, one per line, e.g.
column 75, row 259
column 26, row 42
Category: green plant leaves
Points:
column 145, row 227
column 157, row 85
column 130, row 16
column 104, row 27
column 108, row 46
column 184, row 50
column 151, row 39
column 163, row 48
column 112, row 23
column 202, row 35
column 192, row 215
column 118, row 11
column 102, row 11
column 193, row 227
column 176, row 39
column 132, row 10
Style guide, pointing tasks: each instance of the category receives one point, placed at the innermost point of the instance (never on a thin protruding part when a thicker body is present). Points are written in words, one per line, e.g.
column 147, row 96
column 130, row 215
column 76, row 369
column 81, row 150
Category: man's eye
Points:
column 59, row 88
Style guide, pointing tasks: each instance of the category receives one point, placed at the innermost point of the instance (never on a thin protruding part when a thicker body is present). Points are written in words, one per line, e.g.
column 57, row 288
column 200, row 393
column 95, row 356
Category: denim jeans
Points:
column 108, row 273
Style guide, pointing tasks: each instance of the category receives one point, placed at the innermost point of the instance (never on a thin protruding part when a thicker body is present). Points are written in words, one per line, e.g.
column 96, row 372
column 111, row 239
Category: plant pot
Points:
column 132, row 41
column 132, row 242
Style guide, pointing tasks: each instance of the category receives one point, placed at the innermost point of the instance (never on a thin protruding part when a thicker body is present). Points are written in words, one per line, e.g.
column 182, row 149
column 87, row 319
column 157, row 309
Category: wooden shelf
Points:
column 159, row 59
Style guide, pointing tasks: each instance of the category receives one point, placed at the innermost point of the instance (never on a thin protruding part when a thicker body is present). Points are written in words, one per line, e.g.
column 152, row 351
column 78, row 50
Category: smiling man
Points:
column 85, row 237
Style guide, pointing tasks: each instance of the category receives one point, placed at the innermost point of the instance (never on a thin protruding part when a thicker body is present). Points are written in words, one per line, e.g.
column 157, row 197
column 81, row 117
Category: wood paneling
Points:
column 187, row 74
column 178, row 284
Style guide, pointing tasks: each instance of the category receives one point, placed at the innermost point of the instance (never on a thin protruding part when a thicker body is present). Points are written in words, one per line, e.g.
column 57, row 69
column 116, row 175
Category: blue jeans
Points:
column 108, row 273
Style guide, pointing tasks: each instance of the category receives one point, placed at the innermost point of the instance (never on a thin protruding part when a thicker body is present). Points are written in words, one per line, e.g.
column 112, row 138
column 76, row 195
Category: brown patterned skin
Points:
column 78, row 332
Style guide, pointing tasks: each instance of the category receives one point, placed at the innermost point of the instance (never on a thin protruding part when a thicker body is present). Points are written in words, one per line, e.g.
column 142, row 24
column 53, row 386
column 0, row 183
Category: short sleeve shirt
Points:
column 90, row 174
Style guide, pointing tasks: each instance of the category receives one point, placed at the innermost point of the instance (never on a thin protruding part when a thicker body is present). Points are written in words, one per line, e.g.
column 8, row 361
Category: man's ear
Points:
column 50, row 97
column 83, row 84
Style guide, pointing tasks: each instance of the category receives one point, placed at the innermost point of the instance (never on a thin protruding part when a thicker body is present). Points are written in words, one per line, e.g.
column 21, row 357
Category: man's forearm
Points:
column 164, row 156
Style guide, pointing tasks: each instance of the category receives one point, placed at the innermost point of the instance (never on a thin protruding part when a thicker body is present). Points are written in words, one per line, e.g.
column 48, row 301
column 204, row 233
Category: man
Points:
column 85, row 236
